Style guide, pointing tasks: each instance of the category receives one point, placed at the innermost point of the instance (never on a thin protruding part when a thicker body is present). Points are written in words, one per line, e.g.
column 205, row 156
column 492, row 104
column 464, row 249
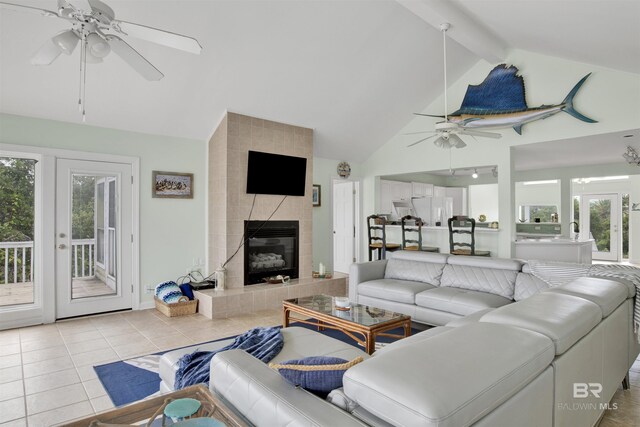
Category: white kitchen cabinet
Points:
column 459, row 198
column 386, row 207
column 390, row 191
column 439, row 191
column 421, row 189
column 400, row 190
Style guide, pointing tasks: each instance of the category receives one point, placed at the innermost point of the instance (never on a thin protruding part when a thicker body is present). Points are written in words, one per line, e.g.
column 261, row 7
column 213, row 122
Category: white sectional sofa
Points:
column 438, row 288
column 503, row 363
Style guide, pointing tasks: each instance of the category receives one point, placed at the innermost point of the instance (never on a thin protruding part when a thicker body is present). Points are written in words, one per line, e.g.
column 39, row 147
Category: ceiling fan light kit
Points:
column 92, row 28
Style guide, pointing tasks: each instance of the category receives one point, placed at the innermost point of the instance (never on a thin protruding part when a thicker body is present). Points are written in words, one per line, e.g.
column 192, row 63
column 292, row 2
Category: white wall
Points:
column 483, row 200
column 172, row 231
column 609, row 96
column 538, row 194
column 324, row 172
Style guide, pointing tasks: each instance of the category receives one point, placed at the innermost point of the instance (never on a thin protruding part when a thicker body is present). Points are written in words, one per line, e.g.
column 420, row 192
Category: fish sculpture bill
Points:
column 499, row 102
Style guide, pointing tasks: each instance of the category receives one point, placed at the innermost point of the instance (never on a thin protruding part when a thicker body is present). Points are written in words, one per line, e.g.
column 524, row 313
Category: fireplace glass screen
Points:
column 271, row 250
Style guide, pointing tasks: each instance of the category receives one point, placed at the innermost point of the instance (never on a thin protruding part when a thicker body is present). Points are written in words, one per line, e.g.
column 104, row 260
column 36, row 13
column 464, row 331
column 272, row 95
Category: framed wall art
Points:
column 172, row 185
column 316, row 195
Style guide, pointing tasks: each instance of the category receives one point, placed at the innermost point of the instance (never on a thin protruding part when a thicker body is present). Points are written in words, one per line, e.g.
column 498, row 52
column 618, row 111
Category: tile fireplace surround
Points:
column 215, row 304
column 229, row 204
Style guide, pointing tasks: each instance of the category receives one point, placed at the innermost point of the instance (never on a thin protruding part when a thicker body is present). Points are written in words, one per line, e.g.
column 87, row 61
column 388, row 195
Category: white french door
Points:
column 93, row 237
column 344, row 225
column 600, row 221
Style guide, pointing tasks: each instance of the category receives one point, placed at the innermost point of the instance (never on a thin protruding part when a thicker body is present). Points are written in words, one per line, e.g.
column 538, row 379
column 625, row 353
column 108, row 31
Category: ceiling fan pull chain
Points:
column 80, row 80
column 84, row 78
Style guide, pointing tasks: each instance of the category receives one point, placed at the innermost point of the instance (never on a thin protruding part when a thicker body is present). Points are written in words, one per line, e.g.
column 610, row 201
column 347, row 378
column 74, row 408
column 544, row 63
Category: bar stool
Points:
column 414, row 244
column 460, row 225
column 377, row 230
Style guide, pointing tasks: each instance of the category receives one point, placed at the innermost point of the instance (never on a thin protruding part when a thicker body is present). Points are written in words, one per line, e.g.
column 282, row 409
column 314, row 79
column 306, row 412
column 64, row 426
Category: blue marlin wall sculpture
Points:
column 499, row 102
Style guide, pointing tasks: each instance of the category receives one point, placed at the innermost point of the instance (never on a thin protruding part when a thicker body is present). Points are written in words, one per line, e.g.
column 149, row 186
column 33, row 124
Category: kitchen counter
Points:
column 486, row 238
column 555, row 249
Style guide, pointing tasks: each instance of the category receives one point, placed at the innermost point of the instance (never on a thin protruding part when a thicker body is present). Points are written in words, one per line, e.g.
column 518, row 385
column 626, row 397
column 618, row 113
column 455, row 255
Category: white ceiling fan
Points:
column 447, row 131
column 95, row 28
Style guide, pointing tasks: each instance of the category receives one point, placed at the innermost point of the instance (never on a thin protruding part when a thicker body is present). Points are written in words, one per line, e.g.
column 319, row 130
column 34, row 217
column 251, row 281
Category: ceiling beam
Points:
column 464, row 29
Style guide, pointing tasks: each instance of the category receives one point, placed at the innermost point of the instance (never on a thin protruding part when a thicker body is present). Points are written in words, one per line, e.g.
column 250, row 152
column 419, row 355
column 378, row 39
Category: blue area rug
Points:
column 134, row 379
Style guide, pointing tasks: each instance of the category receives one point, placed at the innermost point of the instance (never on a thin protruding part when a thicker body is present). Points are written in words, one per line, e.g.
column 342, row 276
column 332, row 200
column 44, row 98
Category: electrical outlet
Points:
column 149, row 289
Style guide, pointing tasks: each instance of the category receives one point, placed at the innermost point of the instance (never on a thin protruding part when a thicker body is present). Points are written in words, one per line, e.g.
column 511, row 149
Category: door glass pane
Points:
column 92, row 253
column 600, row 223
column 17, row 198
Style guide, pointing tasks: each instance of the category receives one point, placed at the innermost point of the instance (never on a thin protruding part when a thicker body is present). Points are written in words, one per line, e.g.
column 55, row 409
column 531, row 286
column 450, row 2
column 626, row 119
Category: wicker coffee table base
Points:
column 363, row 335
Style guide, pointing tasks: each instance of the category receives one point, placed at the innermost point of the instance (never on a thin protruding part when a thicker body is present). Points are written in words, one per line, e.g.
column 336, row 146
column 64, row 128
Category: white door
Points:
column 600, row 220
column 343, row 225
column 93, row 237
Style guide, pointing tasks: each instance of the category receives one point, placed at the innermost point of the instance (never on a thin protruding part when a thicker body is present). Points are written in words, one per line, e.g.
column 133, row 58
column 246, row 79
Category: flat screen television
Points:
column 276, row 174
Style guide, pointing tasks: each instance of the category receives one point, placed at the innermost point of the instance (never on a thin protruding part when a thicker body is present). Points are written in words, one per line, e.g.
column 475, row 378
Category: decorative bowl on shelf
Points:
column 342, row 303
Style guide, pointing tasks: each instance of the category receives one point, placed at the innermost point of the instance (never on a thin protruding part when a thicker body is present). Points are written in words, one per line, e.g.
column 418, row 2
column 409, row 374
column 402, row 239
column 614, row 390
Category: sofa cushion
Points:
column 393, row 289
column 459, row 301
column 563, row 318
column 492, row 275
column 415, row 266
column 418, row 385
column 526, row 285
column 606, row 293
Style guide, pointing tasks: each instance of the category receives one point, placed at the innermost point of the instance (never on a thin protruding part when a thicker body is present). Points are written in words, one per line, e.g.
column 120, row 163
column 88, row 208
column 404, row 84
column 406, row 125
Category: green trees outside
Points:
column 83, row 207
column 600, row 223
column 17, row 187
column 600, row 220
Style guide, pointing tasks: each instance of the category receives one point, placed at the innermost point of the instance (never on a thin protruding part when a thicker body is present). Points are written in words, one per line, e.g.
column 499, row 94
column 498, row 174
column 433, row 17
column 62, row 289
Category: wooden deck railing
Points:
column 16, row 260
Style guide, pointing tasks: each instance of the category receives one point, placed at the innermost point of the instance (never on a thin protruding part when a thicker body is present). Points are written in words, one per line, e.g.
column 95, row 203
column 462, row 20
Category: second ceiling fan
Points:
column 447, row 131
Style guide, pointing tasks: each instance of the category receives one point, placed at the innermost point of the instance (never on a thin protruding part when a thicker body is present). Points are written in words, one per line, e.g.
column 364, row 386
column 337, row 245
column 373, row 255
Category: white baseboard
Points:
column 145, row 305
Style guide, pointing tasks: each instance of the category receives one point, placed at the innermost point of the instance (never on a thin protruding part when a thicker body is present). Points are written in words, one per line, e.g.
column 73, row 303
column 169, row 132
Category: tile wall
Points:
column 229, row 204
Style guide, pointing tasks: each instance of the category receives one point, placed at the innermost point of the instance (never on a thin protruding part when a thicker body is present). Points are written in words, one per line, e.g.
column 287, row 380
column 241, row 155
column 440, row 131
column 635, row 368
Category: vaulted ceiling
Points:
column 354, row 71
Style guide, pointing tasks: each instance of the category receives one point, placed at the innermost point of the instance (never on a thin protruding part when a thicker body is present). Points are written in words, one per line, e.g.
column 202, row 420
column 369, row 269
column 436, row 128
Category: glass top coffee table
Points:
column 362, row 323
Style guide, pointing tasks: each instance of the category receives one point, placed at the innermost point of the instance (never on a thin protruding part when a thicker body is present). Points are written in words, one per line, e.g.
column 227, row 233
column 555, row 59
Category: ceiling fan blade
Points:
column 429, row 115
column 133, row 58
column 481, row 133
column 166, row 38
column 28, row 9
column 416, row 133
column 456, row 141
column 46, row 54
column 423, row 139
column 102, row 12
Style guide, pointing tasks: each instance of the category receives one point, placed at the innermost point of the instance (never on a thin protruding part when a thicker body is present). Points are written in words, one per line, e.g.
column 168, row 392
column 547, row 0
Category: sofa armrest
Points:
column 361, row 272
column 262, row 396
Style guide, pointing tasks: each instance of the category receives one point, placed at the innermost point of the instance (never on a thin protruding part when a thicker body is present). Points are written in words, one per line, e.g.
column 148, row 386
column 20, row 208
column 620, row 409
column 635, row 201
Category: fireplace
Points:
column 271, row 249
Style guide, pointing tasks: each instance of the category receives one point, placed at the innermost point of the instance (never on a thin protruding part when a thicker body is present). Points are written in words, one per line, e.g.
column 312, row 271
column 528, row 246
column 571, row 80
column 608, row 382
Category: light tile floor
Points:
column 46, row 372
column 47, row 376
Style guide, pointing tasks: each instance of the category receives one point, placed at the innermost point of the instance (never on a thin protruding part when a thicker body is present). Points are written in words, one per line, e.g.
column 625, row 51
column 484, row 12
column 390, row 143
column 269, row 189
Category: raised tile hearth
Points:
column 215, row 304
